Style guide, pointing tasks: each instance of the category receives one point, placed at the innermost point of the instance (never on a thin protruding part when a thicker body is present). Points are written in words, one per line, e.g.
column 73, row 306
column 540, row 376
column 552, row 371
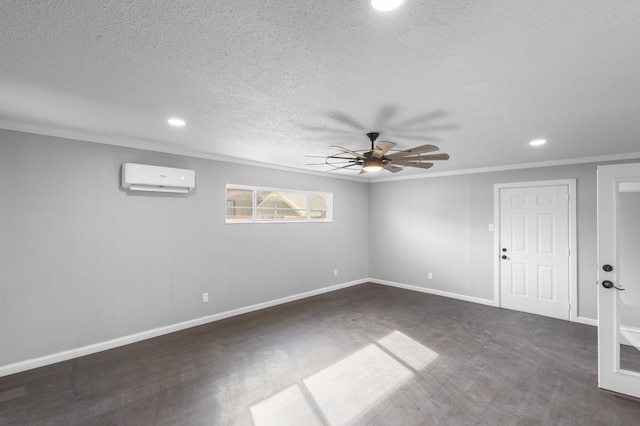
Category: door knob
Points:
column 504, row 256
column 609, row 284
column 607, row 268
column 504, row 249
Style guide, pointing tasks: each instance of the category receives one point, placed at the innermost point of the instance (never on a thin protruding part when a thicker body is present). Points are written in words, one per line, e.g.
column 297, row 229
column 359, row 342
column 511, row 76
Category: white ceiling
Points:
column 273, row 81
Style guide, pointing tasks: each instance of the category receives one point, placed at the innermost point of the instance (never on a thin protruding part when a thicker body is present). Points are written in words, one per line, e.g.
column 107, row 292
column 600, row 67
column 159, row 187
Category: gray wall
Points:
column 440, row 225
column 83, row 262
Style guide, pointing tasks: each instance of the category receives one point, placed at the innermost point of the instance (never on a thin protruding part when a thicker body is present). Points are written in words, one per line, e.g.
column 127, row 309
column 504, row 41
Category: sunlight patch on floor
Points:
column 412, row 353
column 351, row 386
column 346, row 389
column 287, row 407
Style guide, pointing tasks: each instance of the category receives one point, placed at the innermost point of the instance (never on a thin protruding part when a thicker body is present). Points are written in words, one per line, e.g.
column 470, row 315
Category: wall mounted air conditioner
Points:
column 143, row 177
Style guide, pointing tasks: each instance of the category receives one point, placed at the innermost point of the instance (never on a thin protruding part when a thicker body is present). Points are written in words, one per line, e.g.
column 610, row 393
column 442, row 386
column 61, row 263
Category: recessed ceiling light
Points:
column 176, row 122
column 537, row 142
column 385, row 5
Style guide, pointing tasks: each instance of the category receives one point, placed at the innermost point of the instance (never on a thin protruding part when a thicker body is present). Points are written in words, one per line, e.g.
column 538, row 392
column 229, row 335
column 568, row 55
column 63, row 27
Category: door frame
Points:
column 610, row 374
column 573, row 240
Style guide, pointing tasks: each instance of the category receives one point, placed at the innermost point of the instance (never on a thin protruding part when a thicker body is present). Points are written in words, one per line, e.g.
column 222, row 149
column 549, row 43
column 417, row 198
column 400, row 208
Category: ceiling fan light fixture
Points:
column 538, row 142
column 372, row 165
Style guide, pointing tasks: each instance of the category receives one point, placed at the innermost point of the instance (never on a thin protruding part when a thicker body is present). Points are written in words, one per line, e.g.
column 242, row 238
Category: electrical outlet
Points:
column 430, row 276
column 205, row 297
column 335, row 272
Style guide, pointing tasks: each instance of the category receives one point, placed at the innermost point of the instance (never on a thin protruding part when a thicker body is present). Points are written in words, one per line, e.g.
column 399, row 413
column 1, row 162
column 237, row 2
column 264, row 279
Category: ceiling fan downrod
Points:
column 372, row 137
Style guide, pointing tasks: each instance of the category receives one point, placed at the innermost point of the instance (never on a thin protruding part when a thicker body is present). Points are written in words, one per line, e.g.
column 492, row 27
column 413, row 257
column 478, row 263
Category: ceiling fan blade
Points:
column 342, row 167
column 413, row 151
column 404, row 162
column 338, row 157
column 420, row 165
column 435, row 157
column 420, row 158
column 342, row 161
column 382, row 148
column 392, row 168
column 348, row 151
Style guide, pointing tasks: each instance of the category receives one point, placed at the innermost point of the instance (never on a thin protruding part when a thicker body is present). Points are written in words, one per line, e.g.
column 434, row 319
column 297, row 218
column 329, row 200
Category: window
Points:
column 254, row 204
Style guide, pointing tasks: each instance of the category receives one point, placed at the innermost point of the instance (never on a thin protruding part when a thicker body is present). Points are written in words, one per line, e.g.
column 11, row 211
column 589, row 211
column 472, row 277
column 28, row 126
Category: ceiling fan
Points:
column 377, row 158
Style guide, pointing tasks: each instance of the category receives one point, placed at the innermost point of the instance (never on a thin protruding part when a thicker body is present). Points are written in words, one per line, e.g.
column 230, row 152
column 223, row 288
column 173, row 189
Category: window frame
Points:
column 254, row 190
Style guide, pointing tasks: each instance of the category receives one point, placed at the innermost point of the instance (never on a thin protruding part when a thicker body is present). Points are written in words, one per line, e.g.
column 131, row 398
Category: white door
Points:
column 619, row 278
column 534, row 250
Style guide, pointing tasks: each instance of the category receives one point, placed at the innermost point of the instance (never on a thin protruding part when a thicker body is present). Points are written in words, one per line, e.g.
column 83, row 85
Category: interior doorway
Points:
column 535, row 247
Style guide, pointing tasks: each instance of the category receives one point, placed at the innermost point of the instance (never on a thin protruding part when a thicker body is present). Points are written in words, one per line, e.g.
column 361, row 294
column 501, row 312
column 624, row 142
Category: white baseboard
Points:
column 488, row 302
column 121, row 341
column 436, row 292
column 585, row 320
column 125, row 340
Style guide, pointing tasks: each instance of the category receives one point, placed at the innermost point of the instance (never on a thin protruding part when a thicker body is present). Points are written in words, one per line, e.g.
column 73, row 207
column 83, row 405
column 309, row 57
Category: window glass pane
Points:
column 281, row 205
column 318, row 206
column 251, row 204
column 239, row 203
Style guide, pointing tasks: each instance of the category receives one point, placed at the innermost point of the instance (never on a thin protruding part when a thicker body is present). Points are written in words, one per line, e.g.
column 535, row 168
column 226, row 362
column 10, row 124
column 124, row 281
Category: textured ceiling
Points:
column 273, row 81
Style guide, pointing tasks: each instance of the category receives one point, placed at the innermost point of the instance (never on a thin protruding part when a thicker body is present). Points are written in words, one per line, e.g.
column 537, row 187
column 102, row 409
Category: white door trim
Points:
column 611, row 331
column 573, row 241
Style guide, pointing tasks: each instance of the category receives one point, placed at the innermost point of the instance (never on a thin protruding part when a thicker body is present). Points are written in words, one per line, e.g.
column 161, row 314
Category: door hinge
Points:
column 569, row 307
